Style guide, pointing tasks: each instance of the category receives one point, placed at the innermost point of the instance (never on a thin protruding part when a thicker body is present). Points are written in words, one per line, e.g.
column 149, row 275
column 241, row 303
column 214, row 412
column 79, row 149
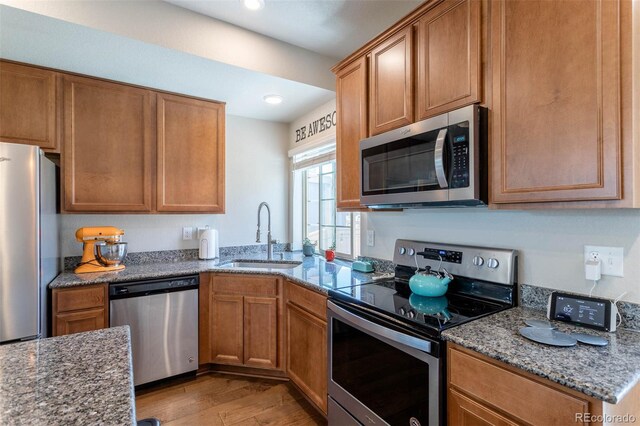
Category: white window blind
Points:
column 313, row 157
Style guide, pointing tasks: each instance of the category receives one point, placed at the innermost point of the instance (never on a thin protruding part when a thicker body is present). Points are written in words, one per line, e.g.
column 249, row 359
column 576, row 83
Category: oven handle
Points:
column 379, row 330
column 438, row 158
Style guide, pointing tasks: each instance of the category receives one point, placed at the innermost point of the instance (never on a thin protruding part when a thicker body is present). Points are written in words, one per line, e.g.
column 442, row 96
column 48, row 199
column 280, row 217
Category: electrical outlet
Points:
column 611, row 259
column 187, row 233
column 371, row 238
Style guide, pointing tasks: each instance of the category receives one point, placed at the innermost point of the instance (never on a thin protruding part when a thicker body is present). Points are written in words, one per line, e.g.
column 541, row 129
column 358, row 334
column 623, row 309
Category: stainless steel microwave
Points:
column 437, row 162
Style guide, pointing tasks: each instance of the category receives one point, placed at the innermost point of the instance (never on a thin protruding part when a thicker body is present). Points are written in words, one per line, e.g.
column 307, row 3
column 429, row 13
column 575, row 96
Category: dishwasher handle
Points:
column 154, row 286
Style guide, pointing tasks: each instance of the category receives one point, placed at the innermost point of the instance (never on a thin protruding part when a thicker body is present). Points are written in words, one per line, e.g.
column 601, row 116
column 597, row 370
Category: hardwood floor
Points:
column 222, row 399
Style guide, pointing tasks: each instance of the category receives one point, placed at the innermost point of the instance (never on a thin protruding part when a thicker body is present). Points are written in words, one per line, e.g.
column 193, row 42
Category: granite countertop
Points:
column 83, row 378
column 606, row 373
column 314, row 272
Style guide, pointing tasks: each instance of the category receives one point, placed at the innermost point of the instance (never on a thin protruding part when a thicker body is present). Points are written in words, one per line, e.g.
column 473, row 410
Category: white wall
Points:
column 551, row 243
column 257, row 169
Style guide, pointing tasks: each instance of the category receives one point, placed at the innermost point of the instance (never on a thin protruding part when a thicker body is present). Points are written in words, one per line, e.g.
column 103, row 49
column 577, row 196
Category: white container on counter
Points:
column 209, row 245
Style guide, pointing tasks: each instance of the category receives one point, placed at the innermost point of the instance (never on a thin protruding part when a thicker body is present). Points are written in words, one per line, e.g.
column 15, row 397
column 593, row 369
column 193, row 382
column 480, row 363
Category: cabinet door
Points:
column 108, row 146
column 448, row 57
column 190, row 172
column 226, row 329
column 261, row 332
column 351, row 106
column 28, row 108
column 555, row 118
column 463, row 411
column 306, row 345
column 391, row 83
column 79, row 321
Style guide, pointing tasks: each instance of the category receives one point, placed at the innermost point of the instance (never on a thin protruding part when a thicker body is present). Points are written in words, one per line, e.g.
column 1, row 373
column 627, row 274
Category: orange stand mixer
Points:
column 102, row 249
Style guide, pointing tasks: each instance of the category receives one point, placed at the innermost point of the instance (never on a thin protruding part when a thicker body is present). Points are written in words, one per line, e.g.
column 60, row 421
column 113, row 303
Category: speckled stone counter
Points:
column 83, row 378
column 314, row 272
column 606, row 373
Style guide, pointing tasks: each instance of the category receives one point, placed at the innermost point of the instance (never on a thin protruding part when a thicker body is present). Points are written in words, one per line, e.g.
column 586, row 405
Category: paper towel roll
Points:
column 209, row 245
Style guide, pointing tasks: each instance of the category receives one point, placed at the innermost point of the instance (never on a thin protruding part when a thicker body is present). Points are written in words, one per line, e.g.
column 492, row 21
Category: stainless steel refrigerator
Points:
column 29, row 240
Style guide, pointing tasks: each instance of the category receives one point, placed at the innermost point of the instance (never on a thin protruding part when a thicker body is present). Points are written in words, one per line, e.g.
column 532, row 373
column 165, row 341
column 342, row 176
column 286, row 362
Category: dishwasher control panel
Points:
column 147, row 287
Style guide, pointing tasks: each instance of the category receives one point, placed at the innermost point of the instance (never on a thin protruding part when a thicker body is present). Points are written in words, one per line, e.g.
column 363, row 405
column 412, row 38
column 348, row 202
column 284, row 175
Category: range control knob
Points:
column 412, row 252
column 492, row 263
column 403, row 311
column 402, row 250
column 478, row 261
column 412, row 314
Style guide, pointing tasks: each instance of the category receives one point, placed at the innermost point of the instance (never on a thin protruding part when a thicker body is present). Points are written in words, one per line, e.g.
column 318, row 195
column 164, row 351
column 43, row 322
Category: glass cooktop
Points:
column 434, row 314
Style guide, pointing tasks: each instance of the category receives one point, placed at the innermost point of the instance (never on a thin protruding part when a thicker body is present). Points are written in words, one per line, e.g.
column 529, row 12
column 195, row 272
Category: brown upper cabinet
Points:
column 351, row 106
column 28, row 106
column 391, row 83
column 448, row 52
column 557, row 75
column 190, row 168
column 108, row 146
column 130, row 149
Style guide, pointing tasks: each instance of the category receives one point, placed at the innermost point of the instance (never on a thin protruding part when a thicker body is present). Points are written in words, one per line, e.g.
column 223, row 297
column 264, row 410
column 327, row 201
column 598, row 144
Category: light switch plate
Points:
column 611, row 259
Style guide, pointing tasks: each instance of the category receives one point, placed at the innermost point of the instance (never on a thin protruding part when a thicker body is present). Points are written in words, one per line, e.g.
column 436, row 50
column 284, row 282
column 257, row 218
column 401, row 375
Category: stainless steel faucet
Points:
column 270, row 242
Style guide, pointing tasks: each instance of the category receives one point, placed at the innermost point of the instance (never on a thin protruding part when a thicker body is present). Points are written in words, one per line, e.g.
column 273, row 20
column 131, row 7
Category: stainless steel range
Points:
column 386, row 354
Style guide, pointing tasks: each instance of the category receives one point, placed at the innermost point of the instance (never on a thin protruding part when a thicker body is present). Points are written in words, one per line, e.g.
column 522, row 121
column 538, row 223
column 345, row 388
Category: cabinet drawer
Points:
column 523, row 398
column 80, row 321
column 307, row 299
column 244, row 285
column 86, row 297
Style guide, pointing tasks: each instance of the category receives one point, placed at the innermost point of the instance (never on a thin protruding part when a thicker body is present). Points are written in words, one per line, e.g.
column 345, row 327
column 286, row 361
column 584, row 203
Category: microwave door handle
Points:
column 438, row 158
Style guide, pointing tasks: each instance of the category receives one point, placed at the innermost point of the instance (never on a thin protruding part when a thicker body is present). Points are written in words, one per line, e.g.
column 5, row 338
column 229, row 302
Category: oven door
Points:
column 410, row 165
column 379, row 374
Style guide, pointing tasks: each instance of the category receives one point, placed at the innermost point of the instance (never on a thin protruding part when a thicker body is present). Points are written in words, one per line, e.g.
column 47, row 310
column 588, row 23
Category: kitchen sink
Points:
column 285, row 264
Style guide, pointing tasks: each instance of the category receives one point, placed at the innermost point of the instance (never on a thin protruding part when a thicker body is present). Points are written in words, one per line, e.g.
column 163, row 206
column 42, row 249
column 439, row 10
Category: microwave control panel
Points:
column 459, row 135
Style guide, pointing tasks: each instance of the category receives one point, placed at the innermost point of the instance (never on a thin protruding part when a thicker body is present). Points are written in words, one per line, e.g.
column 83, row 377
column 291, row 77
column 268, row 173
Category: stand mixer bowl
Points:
column 109, row 253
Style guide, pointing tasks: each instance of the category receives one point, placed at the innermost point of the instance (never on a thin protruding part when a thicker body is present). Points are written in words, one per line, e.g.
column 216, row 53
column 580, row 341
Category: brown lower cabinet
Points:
column 306, row 342
column 483, row 391
column 79, row 309
column 245, row 326
column 260, row 325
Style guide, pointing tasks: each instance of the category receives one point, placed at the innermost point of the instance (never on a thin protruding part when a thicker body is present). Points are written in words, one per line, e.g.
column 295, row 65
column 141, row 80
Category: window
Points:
column 321, row 222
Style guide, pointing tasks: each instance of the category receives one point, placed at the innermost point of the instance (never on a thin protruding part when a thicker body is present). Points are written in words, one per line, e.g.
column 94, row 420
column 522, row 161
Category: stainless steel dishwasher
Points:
column 163, row 316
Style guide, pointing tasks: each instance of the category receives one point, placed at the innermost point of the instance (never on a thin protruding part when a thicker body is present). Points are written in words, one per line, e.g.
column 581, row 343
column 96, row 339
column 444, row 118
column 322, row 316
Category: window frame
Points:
column 319, row 249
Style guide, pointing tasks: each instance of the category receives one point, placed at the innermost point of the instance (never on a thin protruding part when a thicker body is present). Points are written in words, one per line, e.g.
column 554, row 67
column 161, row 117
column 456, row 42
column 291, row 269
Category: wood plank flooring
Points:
column 222, row 399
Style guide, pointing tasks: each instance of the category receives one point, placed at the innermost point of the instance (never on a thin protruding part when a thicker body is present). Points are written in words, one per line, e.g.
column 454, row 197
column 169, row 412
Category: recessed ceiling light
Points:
column 253, row 4
column 273, row 99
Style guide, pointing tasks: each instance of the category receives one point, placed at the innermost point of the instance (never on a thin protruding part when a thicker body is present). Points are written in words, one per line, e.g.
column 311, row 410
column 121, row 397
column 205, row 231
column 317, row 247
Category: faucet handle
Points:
column 258, row 235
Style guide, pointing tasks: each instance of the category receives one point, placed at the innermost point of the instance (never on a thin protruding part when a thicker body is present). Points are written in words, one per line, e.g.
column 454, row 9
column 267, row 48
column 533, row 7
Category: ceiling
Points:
column 334, row 28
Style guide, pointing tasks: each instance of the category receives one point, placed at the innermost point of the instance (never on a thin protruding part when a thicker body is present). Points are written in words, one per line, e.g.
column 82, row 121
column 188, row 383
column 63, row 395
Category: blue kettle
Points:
column 430, row 284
